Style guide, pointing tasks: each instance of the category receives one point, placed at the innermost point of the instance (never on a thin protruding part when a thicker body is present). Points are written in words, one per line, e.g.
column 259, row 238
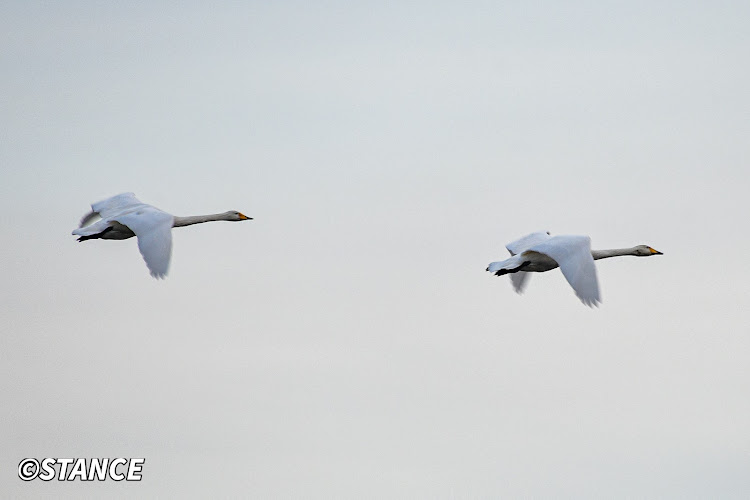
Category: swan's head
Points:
column 645, row 251
column 234, row 215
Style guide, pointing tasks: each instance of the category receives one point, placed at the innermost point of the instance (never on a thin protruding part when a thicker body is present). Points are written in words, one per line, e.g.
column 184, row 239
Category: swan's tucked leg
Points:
column 514, row 270
column 112, row 230
column 96, row 236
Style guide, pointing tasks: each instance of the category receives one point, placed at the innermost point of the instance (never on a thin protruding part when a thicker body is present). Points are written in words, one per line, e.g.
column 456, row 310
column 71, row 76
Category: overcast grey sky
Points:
column 348, row 343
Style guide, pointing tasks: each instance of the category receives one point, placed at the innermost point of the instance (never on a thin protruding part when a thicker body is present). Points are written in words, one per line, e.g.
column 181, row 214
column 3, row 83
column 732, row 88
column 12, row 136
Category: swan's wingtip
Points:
column 592, row 302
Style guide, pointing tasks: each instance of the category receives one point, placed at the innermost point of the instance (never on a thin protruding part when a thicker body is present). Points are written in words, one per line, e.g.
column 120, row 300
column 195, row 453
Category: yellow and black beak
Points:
column 655, row 252
column 245, row 217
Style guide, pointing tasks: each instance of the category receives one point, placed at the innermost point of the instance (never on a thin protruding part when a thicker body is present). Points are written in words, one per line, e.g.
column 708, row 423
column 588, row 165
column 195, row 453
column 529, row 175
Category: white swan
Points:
column 124, row 216
column 539, row 252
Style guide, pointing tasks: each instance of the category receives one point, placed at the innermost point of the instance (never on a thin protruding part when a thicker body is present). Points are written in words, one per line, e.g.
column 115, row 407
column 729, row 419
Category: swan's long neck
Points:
column 617, row 252
column 197, row 219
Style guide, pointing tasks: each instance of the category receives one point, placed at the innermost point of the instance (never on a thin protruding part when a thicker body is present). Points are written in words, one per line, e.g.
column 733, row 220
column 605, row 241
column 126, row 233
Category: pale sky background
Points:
column 348, row 343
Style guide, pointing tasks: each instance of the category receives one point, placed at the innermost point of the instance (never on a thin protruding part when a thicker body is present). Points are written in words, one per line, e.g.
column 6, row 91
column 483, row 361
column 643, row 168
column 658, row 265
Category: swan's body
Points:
column 124, row 216
column 540, row 252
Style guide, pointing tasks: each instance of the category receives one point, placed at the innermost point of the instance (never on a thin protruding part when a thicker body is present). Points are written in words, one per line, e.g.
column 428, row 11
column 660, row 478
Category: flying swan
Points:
column 540, row 252
column 124, row 216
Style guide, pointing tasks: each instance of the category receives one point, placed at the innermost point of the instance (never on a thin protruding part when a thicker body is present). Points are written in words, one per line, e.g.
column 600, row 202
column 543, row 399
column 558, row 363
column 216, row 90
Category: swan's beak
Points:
column 245, row 217
column 655, row 252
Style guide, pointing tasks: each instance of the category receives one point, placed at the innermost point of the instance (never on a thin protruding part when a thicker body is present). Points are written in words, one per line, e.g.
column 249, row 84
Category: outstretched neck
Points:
column 196, row 219
column 617, row 252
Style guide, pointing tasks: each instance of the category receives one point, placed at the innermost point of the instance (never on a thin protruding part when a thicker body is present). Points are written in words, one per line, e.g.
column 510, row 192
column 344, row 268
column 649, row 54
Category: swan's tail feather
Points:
column 494, row 267
column 511, row 265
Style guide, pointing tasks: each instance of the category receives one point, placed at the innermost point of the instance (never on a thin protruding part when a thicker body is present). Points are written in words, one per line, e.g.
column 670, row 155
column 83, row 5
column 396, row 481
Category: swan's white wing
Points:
column 527, row 242
column 89, row 219
column 115, row 205
column 573, row 255
column 520, row 279
column 110, row 207
column 154, row 231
